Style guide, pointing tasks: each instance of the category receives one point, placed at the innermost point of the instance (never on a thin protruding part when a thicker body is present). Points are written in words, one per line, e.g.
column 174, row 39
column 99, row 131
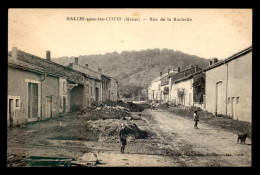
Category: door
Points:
column 218, row 97
column 64, row 104
column 97, row 96
column 32, row 100
column 48, row 107
column 233, row 108
column 11, row 112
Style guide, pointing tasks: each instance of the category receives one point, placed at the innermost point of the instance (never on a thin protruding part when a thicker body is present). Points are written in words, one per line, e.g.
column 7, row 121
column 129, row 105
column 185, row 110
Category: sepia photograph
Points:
column 129, row 87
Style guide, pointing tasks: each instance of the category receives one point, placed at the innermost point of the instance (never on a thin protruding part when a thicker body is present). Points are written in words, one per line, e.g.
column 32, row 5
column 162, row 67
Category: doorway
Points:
column 48, row 107
column 64, row 104
column 32, row 100
column 233, row 108
column 97, row 96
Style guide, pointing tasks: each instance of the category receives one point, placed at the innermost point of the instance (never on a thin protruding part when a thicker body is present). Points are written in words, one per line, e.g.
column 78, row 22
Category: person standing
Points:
column 123, row 135
column 196, row 119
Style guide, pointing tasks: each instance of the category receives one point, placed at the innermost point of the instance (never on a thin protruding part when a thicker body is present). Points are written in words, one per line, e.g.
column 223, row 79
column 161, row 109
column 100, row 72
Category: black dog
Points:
column 242, row 138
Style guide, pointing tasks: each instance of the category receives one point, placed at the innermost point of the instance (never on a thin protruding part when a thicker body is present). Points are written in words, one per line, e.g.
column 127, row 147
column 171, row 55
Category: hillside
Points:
column 136, row 68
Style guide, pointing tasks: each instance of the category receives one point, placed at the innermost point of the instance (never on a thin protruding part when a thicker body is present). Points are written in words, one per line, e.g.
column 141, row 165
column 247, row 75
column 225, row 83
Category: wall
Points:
column 188, row 92
column 213, row 76
column 240, row 85
column 50, row 88
column 155, row 87
column 113, row 90
column 17, row 86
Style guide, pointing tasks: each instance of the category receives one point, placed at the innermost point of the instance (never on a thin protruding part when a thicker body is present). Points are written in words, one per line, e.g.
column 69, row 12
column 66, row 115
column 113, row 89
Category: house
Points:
column 181, row 90
column 39, row 88
column 109, row 88
column 229, row 86
column 92, row 88
column 158, row 85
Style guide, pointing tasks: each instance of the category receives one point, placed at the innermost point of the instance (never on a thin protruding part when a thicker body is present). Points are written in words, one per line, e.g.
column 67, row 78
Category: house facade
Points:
column 40, row 88
column 92, row 88
column 35, row 90
column 229, row 86
column 181, row 90
column 157, row 88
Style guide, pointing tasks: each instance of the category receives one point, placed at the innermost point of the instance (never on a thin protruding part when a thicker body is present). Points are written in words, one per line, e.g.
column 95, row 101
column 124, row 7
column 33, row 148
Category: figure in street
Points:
column 196, row 119
column 123, row 135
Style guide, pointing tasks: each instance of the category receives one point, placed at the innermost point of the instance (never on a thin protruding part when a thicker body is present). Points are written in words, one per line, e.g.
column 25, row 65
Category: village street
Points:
column 172, row 142
column 207, row 142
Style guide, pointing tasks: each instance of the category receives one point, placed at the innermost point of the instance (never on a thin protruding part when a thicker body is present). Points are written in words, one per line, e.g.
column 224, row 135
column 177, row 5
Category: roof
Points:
column 36, row 64
column 24, row 66
column 188, row 77
column 185, row 74
column 164, row 76
column 234, row 56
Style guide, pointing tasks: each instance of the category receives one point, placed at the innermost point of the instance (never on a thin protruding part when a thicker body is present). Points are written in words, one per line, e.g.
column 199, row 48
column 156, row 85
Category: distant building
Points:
column 229, row 86
column 181, row 89
column 157, row 89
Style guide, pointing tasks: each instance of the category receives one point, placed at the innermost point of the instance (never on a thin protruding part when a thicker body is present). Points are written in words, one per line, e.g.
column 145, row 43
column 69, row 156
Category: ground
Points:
column 172, row 141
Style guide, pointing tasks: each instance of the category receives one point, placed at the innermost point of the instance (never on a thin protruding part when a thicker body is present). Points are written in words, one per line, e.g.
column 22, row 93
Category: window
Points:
column 17, row 103
column 237, row 99
column 228, row 100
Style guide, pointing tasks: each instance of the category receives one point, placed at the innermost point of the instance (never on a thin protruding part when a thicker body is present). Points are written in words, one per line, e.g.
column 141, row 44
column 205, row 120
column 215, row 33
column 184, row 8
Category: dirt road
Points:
column 208, row 144
column 172, row 142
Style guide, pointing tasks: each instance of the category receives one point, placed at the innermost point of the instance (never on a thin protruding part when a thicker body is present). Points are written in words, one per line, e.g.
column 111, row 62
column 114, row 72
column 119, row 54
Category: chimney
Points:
column 215, row 60
column 76, row 60
column 210, row 63
column 86, row 65
column 100, row 70
column 160, row 74
column 179, row 69
column 14, row 52
column 48, row 55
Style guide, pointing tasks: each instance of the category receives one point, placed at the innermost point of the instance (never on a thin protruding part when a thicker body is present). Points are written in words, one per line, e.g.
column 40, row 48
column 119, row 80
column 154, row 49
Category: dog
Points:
column 242, row 138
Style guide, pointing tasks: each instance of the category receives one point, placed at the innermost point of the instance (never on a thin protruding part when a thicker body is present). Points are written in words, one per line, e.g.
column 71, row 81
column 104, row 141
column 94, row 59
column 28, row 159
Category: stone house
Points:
column 38, row 88
column 181, row 89
column 158, row 86
column 109, row 88
column 229, row 86
column 92, row 89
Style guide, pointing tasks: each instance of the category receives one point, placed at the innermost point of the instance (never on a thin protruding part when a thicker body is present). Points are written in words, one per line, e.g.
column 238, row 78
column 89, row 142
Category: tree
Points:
column 199, row 88
column 181, row 94
column 166, row 91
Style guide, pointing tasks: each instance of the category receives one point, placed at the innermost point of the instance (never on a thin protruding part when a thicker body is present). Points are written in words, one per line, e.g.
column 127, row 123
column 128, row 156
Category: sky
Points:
column 209, row 33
